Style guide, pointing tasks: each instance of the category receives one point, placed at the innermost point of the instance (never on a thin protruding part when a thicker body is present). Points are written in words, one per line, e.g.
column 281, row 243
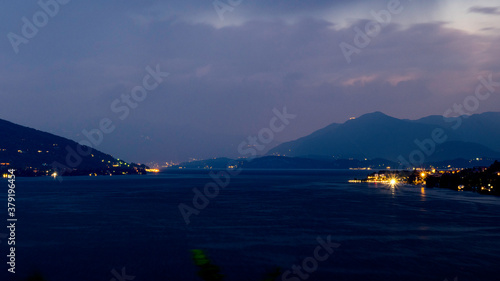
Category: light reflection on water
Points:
column 85, row 227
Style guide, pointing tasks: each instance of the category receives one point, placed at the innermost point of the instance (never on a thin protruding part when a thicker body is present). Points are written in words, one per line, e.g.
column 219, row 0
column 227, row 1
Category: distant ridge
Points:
column 377, row 135
column 32, row 153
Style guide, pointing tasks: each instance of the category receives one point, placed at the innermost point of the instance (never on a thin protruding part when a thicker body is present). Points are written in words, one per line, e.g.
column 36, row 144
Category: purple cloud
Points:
column 224, row 82
column 485, row 10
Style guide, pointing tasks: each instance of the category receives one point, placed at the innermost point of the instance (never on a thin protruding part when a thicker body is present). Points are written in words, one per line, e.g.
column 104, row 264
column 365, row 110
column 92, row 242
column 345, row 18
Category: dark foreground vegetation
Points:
column 207, row 270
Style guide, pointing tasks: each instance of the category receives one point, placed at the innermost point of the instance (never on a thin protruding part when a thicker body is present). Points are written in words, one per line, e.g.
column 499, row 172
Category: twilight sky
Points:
column 229, row 69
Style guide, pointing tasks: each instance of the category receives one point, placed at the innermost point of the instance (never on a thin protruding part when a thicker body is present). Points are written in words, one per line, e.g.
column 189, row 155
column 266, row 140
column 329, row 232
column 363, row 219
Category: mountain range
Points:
column 376, row 135
column 373, row 140
column 34, row 152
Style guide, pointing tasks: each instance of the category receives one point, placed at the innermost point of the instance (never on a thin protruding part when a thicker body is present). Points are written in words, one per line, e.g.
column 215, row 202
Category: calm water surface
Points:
column 84, row 227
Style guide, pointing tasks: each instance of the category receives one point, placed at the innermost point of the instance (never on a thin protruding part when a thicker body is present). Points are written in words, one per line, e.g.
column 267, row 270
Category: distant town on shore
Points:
column 372, row 141
column 484, row 180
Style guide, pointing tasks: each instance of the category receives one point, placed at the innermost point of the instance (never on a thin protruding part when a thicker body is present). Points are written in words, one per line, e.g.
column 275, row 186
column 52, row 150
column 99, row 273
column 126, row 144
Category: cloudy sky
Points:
column 231, row 63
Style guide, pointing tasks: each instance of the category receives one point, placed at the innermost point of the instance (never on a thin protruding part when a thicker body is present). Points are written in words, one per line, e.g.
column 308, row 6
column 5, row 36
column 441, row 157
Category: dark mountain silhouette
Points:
column 376, row 135
column 34, row 152
column 276, row 163
column 480, row 128
column 280, row 162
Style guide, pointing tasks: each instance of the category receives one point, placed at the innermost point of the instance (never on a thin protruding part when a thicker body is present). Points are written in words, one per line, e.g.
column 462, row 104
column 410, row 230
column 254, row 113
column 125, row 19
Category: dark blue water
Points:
column 83, row 228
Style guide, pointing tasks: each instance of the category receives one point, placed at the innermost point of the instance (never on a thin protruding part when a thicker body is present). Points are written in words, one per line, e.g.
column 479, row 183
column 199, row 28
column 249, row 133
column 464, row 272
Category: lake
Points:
column 91, row 228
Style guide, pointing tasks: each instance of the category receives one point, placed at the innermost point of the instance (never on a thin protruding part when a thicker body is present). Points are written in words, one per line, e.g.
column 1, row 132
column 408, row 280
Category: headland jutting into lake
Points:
column 484, row 180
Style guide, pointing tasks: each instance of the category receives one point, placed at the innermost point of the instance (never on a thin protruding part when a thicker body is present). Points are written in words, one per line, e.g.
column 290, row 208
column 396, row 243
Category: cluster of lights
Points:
column 393, row 182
